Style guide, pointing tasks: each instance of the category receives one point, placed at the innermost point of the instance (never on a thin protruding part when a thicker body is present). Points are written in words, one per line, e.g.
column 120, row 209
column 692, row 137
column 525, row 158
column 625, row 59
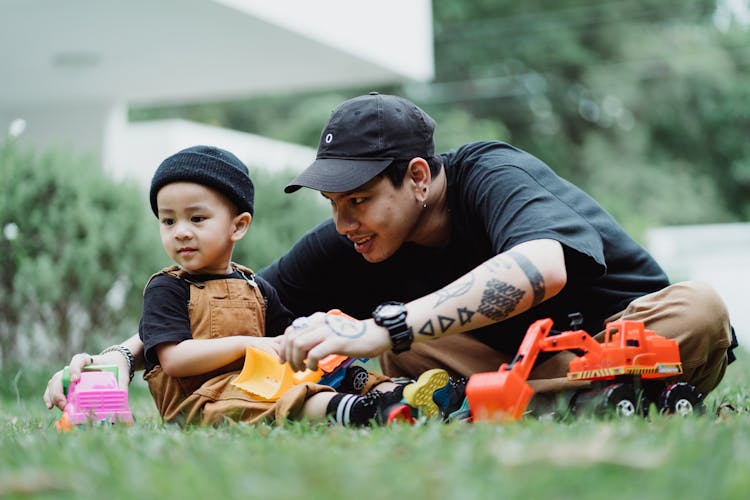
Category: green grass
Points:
column 660, row 457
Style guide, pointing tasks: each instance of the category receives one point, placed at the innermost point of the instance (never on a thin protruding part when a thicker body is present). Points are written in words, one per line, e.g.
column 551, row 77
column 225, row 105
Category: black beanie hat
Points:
column 208, row 166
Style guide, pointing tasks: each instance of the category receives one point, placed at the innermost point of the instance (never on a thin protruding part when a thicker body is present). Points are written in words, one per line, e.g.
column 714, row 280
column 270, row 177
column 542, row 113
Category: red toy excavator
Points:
column 629, row 355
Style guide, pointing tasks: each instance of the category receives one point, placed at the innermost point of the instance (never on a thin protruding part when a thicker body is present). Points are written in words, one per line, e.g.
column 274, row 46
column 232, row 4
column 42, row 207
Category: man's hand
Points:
column 310, row 339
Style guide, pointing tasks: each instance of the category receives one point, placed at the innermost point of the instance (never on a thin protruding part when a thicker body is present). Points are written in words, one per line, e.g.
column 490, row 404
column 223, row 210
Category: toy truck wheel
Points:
column 354, row 380
column 621, row 398
column 680, row 398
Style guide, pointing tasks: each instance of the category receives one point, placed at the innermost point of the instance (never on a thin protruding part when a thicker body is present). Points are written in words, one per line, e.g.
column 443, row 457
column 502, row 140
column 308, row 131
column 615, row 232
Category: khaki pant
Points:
column 691, row 313
column 217, row 400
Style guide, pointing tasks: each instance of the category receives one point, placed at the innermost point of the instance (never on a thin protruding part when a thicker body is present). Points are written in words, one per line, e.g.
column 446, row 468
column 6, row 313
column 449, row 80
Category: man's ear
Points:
column 419, row 173
column 240, row 225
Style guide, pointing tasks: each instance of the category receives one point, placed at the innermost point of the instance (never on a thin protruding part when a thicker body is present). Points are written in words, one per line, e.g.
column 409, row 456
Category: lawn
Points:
column 660, row 457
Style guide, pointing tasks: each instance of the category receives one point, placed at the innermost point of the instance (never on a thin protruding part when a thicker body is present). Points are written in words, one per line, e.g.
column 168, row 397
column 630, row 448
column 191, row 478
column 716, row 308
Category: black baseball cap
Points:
column 362, row 137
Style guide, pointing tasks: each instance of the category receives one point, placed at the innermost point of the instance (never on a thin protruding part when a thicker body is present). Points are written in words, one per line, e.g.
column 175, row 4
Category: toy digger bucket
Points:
column 500, row 396
column 265, row 378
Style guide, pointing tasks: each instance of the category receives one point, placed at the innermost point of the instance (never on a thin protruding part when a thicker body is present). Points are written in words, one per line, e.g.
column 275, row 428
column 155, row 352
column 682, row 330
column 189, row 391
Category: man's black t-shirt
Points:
column 498, row 197
column 166, row 318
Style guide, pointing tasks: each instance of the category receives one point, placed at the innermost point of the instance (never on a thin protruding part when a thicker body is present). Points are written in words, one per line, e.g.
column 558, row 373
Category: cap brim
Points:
column 338, row 175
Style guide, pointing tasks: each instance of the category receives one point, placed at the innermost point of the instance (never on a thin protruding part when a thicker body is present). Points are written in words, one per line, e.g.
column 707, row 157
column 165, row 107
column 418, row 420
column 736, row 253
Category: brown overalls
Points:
column 221, row 308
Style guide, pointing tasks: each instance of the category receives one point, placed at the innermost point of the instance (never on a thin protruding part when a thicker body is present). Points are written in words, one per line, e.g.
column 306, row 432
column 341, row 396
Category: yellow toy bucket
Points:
column 264, row 377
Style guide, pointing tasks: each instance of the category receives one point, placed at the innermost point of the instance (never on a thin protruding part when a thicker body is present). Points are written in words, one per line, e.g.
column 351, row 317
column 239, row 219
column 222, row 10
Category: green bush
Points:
column 75, row 250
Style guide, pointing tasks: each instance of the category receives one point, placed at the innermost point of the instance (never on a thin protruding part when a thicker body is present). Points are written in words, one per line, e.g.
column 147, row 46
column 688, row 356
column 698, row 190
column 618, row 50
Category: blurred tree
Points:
column 637, row 100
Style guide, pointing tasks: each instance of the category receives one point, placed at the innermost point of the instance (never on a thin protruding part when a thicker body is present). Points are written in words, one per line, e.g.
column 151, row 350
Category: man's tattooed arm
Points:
column 349, row 328
column 532, row 273
column 493, row 290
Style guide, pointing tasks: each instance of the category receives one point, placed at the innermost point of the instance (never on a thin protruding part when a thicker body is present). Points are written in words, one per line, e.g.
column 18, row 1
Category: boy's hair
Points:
column 209, row 166
column 396, row 171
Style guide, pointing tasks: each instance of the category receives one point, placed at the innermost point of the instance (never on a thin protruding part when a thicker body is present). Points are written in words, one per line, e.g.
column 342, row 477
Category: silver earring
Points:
column 424, row 205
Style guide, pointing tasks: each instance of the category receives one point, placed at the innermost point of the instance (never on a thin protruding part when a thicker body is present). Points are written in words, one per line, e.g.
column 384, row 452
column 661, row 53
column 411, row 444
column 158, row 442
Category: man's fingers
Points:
column 298, row 347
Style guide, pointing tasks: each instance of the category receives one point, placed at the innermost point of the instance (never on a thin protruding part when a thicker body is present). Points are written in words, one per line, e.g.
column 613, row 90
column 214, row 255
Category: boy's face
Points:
column 377, row 217
column 199, row 227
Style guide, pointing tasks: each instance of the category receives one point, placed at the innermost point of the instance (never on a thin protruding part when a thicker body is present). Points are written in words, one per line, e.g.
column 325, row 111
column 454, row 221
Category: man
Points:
column 447, row 259
column 454, row 256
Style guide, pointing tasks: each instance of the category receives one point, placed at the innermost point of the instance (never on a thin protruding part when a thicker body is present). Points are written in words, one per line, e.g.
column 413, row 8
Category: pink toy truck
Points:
column 94, row 398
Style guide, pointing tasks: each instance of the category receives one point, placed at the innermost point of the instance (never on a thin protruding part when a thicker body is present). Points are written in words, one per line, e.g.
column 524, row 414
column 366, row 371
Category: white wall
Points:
column 136, row 149
column 78, row 127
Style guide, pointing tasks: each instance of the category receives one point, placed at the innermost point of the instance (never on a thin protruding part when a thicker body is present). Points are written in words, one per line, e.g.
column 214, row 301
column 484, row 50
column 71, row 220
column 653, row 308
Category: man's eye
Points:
column 358, row 200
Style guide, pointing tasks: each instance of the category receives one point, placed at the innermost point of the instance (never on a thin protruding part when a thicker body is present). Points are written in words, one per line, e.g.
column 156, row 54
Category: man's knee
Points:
column 707, row 337
column 704, row 308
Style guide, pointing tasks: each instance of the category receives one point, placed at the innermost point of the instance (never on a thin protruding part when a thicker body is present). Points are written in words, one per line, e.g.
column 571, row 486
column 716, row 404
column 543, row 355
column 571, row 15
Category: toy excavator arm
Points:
column 575, row 340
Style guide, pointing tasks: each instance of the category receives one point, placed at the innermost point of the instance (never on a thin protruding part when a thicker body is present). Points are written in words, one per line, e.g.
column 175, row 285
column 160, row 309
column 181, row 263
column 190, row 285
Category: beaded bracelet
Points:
column 126, row 353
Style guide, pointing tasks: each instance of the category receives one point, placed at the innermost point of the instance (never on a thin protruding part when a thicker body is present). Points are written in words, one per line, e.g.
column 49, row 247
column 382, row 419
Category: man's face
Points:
column 376, row 217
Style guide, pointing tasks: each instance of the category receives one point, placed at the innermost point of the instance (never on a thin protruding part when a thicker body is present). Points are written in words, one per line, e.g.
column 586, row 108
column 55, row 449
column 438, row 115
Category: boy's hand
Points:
column 54, row 395
column 271, row 345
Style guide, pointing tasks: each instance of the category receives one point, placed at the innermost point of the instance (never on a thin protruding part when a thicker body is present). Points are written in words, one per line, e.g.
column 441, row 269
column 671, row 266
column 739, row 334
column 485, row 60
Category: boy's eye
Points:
column 197, row 218
column 167, row 221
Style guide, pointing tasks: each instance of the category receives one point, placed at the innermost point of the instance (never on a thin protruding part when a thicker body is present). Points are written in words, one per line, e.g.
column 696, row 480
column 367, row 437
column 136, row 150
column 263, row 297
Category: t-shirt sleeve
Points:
column 519, row 203
column 165, row 315
column 278, row 317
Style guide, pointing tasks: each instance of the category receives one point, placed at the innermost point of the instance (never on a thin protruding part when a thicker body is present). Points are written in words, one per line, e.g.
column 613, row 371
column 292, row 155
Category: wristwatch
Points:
column 392, row 316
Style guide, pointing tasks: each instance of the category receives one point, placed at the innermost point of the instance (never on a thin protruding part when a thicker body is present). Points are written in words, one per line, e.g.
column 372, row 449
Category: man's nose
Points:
column 344, row 221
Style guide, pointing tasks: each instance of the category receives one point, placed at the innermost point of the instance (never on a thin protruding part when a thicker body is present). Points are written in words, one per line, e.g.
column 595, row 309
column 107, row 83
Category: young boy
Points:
column 200, row 314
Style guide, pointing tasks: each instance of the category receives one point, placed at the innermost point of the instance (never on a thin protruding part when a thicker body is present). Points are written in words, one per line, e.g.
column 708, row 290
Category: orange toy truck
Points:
column 623, row 369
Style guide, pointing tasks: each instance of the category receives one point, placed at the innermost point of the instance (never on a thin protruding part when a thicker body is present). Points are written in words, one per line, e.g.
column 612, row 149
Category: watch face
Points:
column 390, row 310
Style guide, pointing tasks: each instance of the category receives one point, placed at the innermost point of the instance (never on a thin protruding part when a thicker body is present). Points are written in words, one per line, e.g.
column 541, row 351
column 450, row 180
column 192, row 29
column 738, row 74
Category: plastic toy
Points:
column 94, row 398
column 622, row 368
column 263, row 377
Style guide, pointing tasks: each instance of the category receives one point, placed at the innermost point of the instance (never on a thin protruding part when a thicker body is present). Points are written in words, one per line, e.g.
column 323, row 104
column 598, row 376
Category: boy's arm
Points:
column 198, row 356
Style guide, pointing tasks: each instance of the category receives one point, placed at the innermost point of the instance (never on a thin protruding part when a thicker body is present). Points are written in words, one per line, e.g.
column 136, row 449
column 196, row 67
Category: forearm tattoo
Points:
column 344, row 327
column 532, row 273
column 464, row 315
column 460, row 287
column 499, row 264
column 499, row 300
